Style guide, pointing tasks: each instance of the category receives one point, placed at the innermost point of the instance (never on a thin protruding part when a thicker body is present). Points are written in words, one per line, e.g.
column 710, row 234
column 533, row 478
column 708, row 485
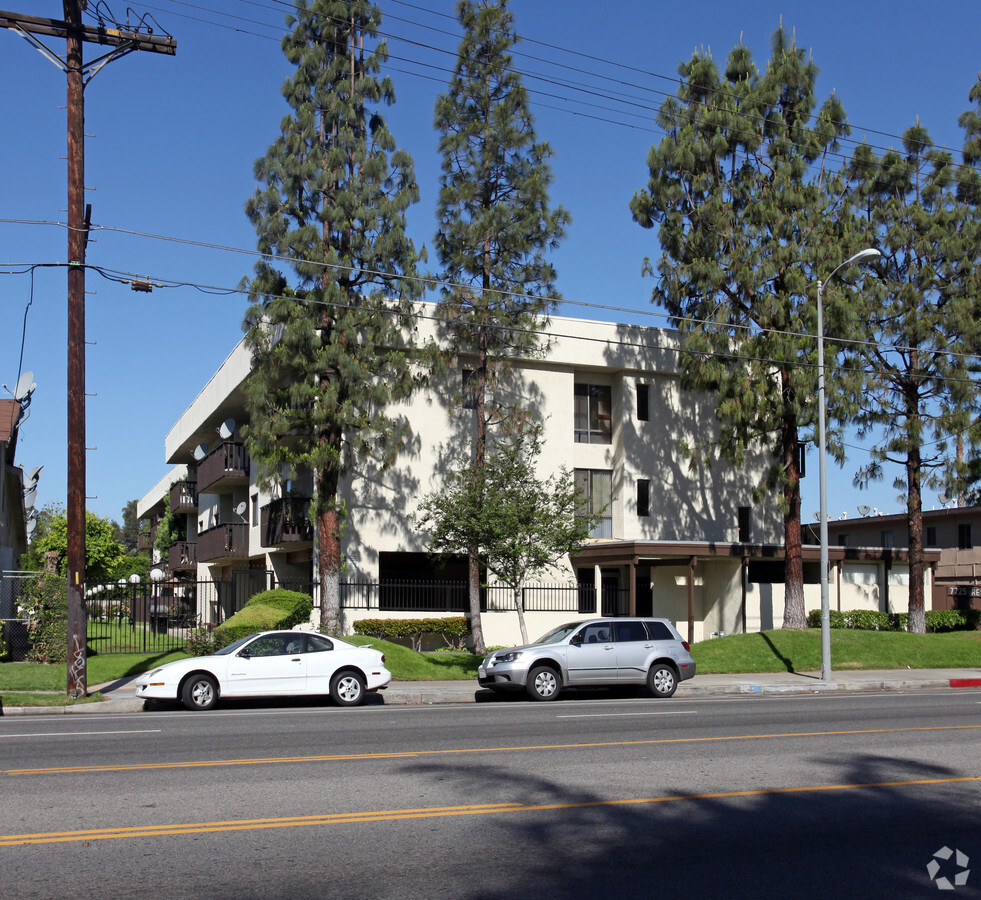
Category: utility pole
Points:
column 120, row 41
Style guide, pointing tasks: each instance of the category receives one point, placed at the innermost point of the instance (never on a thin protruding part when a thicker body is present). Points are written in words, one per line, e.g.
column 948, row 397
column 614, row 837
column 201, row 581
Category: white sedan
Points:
column 271, row 664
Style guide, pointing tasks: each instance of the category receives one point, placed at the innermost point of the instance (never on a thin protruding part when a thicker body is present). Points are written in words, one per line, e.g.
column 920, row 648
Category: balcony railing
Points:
column 223, row 542
column 285, row 521
column 184, row 496
column 145, row 541
column 183, row 556
column 224, row 467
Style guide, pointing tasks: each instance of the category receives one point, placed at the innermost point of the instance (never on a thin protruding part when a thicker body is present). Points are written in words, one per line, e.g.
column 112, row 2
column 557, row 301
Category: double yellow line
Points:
column 408, row 754
column 395, row 815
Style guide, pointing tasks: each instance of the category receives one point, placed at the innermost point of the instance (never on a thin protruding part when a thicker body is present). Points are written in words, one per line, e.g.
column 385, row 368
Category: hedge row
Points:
column 874, row 620
column 263, row 612
column 453, row 630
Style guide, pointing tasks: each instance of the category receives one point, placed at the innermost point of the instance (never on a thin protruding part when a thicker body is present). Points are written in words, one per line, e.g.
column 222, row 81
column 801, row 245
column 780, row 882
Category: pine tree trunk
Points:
column 794, row 615
column 476, row 627
column 916, row 621
column 329, row 552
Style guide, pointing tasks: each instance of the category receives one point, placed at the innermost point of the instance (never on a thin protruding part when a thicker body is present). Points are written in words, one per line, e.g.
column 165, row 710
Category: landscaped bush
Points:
column 264, row 612
column 453, row 630
column 45, row 604
column 874, row 620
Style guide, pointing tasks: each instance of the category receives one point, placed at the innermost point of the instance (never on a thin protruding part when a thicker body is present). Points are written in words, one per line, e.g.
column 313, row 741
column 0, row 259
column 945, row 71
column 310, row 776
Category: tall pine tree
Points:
column 744, row 202
column 911, row 376
column 330, row 303
column 495, row 221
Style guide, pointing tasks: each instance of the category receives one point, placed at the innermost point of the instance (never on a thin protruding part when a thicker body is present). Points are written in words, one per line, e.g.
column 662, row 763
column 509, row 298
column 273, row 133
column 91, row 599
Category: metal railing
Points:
column 451, row 596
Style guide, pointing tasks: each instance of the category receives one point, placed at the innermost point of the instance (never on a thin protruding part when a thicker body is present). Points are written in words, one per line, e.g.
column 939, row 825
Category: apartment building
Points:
column 679, row 540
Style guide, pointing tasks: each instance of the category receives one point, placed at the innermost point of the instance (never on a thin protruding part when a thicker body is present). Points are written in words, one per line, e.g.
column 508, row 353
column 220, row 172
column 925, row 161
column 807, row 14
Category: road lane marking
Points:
column 80, row 733
column 149, row 831
column 410, row 754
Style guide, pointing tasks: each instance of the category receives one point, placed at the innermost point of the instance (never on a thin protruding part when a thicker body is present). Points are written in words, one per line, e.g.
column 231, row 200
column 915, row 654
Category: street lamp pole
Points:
column 861, row 256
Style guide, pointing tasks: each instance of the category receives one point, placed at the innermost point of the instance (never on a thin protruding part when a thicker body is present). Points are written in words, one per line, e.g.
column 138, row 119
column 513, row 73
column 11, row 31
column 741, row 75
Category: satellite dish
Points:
column 30, row 498
column 227, row 429
column 241, row 508
column 200, row 452
column 33, row 475
column 25, row 386
column 864, row 510
column 31, row 525
column 943, row 498
column 817, row 517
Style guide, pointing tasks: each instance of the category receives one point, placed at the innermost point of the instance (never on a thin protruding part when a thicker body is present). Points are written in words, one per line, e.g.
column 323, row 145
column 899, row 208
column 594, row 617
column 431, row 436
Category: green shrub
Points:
column 45, row 604
column 874, row 620
column 264, row 612
column 452, row 629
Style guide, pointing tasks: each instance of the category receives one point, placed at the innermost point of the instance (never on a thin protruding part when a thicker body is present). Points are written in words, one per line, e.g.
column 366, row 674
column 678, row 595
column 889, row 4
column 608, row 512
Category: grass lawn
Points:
column 769, row 651
column 800, row 651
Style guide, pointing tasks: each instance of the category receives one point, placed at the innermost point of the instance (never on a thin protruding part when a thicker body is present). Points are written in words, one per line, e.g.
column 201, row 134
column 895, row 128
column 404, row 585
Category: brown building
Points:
column 956, row 533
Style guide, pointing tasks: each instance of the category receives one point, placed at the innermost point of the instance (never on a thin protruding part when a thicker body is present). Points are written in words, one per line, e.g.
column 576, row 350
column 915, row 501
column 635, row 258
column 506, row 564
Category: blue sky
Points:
column 172, row 142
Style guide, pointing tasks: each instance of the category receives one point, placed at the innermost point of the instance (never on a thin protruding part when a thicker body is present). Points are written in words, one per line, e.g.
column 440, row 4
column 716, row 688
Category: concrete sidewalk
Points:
column 120, row 696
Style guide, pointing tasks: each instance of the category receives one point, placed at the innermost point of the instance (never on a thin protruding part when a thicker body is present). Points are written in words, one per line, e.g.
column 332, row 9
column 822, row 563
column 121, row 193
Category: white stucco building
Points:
column 686, row 543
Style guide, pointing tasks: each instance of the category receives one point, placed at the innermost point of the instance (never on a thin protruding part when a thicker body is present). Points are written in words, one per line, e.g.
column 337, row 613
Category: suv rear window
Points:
column 660, row 632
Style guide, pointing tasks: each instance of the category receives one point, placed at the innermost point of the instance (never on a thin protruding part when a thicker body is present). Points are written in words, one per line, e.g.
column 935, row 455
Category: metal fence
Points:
column 13, row 624
column 450, row 596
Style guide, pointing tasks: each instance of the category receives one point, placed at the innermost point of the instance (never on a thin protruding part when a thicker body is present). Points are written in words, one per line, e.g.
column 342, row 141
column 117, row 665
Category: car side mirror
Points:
column 244, row 654
column 576, row 639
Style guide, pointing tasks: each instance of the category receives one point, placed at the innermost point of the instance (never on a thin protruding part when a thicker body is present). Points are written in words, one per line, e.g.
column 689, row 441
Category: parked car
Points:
column 271, row 664
column 593, row 653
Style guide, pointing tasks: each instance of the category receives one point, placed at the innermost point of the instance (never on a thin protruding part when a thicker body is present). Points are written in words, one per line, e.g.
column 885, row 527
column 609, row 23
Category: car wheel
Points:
column 200, row 692
column 544, row 683
column 662, row 680
column 347, row 688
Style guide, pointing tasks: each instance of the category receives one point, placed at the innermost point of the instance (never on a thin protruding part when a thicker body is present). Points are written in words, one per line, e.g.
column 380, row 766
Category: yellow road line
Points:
column 145, row 831
column 260, row 761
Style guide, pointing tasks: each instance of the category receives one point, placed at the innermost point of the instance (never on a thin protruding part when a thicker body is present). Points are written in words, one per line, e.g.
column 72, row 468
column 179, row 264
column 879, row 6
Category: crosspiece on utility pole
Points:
column 122, row 41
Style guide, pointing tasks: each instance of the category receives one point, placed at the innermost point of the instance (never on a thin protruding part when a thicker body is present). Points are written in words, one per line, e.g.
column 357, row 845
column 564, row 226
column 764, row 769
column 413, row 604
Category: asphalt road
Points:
column 776, row 796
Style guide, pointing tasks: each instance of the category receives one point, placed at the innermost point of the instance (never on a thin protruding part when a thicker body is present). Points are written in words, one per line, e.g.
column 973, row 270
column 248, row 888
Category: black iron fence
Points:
column 418, row 596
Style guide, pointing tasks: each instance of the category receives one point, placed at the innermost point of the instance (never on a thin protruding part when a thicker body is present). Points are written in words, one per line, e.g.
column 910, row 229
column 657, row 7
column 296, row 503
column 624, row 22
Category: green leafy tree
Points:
column 911, row 379
column 329, row 334
column 103, row 552
column 171, row 528
column 744, row 200
column 129, row 533
column 521, row 524
column 495, row 222
column 33, row 560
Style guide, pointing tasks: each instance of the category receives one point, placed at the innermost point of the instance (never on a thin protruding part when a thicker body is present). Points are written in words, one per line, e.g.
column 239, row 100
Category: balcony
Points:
column 285, row 521
column 145, row 541
column 225, row 467
column 184, row 496
column 223, row 542
column 183, row 556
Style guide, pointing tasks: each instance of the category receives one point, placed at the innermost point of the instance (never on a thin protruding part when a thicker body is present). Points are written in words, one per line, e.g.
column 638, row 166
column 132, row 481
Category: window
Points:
column 842, row 540
column 596, row 486
column 643, row 496
column 469, row 388
column 886, row 539
column 643, row 402
column 744, row 524
column 593, row 417
column 965, row 540
column 255, row 509
column 931, row 536
column 630, row 631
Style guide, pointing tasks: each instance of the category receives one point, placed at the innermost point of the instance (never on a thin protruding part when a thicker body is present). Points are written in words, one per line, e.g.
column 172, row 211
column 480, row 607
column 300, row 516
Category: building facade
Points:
column 674, row 539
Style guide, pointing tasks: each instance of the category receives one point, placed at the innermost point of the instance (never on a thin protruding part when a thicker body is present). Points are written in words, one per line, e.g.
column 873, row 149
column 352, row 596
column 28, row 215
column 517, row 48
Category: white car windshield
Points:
column 231, row 648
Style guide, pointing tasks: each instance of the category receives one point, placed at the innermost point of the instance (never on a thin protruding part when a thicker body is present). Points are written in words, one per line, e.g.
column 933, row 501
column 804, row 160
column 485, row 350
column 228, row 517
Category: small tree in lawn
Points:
column 331, row 344
column 495, row 221
column 521, row 524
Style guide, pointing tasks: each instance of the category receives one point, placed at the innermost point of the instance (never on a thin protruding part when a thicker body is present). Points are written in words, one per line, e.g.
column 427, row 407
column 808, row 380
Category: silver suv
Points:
column 593, row 653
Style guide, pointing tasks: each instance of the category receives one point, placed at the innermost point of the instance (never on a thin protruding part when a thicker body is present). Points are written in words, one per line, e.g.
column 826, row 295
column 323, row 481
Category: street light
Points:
column 861, row 256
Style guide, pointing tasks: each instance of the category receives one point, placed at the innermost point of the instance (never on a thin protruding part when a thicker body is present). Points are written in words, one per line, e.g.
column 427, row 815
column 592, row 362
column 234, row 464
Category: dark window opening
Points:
column 643, row 497
column 965, row 539
column 744, row 525
column 643, row 402
column 931, row 535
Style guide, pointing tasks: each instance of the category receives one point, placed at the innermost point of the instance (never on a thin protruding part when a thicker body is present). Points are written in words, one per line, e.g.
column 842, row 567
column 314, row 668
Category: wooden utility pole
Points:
column 120, row 41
